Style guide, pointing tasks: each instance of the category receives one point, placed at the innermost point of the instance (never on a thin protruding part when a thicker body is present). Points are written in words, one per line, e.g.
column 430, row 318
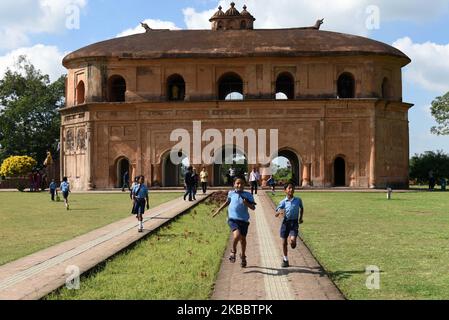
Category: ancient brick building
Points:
column 335, row 98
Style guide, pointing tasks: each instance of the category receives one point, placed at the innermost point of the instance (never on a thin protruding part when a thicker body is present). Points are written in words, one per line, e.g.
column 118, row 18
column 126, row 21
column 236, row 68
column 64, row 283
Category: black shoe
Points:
column 232, row 257
column 285, row 264
column 244, row 263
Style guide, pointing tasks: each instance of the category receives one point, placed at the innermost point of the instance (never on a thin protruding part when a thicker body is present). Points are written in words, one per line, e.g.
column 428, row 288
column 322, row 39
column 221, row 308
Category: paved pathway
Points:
column 264, row 279
column 39, row 274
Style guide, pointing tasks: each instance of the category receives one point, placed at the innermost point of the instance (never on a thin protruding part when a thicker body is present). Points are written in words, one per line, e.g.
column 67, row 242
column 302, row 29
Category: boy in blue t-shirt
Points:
column 293, row 210
column 53, row 189
column 239, row 201
column 65, row 189
column 141, row 200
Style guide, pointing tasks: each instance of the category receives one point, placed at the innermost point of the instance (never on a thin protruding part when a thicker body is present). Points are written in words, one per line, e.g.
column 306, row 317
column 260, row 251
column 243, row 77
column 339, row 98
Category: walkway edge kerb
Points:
column 19, row 284
column 312, row 254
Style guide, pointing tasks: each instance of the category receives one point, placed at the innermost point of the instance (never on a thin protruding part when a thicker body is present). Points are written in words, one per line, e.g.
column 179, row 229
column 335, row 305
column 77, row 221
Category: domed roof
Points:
column 219, row 13
column 245, row 13
column 232, row 11
column 297, row 42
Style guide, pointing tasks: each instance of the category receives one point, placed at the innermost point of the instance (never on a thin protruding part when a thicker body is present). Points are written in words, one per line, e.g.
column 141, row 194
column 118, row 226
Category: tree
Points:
column 29, row 117
column 17, row 166
column 440, row 111
column 421, row 165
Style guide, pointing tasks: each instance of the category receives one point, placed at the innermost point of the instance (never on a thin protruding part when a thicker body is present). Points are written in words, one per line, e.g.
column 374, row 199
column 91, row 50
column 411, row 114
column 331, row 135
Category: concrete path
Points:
column 264, row 279
column 37, row 275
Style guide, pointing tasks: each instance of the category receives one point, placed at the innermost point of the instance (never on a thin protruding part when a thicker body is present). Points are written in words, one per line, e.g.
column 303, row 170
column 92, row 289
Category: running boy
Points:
column 239, row 201
column 53, row 189
column 140, row 196
column 293, row 210
column 65, row 189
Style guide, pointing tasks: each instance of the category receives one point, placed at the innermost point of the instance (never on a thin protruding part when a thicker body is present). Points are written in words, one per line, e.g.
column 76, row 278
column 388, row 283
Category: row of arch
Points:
column 173, row 175
column 230, row 87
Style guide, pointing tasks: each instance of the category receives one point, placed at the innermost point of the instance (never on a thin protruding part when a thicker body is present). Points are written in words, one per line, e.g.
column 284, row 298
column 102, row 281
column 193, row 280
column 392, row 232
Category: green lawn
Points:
column 30, row 222
column 178, row 262
column 407, row 238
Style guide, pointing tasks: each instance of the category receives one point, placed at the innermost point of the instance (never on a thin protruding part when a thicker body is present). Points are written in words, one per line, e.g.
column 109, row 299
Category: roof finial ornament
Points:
column 318, row 24
column 220, row 7
column 145, row 26
column 232, row 4
column 245, row 7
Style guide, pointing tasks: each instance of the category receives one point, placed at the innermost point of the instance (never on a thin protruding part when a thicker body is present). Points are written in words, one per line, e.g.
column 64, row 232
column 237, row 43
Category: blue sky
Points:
column 38, row 28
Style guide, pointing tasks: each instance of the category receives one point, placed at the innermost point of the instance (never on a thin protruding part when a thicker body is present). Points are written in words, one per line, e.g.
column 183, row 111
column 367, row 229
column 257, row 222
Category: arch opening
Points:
column 80, row 93
column 173, row 174
column 386, row 89
column 230, row 87
column 346, row 86
column 123, row 166
column 229, row 160
column 285, row 87
column 286, row 167
column 176, row 88
column 339, row 172
column 116, row 89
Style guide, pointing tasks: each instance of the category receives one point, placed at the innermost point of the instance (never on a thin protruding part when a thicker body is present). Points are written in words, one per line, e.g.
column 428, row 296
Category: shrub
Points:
column 17, row 166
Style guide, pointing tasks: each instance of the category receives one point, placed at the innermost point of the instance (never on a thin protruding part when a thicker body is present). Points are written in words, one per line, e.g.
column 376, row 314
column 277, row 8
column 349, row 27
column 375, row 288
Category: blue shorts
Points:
column 139, row 206
column 242, row 226
column 289, row 229
column 65, row 194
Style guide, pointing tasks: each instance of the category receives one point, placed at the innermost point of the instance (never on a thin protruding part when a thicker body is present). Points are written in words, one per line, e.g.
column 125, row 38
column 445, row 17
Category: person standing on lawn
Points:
column 239, row 201
column 53, row 189
column 292, row 209
column 204, row 176
column 254, row 178
column 65, row 189
column 141, row 201
column 188, row 184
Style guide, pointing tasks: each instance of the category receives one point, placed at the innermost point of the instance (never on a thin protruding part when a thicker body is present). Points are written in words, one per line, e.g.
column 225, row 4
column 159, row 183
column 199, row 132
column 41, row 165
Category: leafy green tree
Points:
column 29, row 117
column 440, row 111
column 421, row 165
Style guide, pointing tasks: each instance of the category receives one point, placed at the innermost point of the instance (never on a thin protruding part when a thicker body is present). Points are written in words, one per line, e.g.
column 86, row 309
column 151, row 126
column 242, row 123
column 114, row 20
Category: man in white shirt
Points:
column 254, row 179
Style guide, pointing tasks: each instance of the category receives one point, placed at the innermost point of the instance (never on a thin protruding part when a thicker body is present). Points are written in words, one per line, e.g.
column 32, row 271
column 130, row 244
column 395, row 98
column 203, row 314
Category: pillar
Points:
column 90, row 150
column 306, row 170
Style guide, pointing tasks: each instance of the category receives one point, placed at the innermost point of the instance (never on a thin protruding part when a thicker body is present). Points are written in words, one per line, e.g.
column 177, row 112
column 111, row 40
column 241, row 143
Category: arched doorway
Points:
column 339, row 172
column 227, row 159
column 173, row 174
column 286, row 167
column 123, row 166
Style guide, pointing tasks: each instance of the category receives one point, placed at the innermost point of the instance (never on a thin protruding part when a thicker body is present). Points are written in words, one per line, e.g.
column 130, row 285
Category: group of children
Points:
column 64, row 188
column 239, row 201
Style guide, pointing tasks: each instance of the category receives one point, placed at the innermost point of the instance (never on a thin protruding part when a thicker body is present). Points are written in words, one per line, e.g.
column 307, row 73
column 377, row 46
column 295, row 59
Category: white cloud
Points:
column 343, row 16
column 21, row 18
column 430, row 64
column 46, row 58
column 154, row 24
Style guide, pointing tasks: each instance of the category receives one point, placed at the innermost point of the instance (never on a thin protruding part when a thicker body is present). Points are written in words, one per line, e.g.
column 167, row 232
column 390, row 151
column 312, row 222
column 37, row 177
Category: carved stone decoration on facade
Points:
column 69, row 140
column 81, row 139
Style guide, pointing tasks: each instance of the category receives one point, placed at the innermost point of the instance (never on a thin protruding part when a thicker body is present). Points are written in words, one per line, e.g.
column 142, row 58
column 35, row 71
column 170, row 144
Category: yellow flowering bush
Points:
column 17, row 166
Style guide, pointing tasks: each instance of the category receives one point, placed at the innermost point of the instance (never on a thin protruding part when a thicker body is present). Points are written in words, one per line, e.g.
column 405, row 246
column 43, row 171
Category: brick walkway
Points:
column 39, row 274
column 264, row 279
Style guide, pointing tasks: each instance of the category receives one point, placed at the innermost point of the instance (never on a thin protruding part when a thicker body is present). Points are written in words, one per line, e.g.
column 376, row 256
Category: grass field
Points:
column 178, row 262
column 30, row 222
column 407, row 238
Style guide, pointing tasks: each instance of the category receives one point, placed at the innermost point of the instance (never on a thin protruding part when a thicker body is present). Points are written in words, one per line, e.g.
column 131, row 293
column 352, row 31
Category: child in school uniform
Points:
column 141, row 200
column 65, row 189
column 239, row 201
column 292, row 209
column 53, row 189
